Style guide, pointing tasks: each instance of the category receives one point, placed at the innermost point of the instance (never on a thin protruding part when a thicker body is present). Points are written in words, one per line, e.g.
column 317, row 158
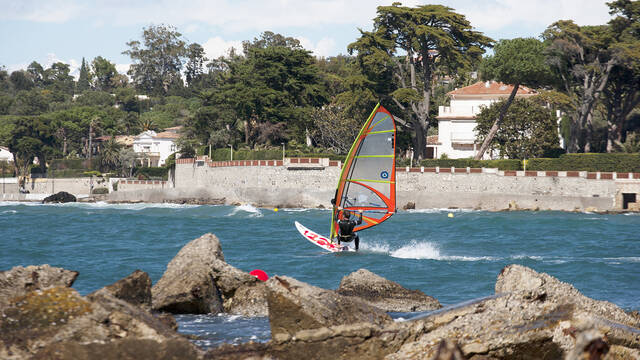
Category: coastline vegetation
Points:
column 272, row 95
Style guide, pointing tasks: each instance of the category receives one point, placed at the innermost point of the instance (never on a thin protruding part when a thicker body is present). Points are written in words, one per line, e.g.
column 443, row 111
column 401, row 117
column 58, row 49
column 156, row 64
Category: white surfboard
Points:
column 320, row 240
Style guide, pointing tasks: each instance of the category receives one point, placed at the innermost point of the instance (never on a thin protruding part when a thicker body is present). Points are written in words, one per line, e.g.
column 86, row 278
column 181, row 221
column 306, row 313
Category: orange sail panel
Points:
column 368, row 178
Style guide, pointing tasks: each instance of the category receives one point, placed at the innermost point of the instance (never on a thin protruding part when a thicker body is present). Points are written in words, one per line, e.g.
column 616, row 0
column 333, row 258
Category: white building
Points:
column 457, row 122
column 154, row 148
column 5, row 154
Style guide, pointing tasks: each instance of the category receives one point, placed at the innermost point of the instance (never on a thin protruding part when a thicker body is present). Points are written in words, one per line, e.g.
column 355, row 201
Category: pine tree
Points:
column 83, row 79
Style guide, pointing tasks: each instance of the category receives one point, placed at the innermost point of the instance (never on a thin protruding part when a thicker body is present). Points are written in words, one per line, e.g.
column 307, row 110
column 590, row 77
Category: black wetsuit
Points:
column 345, row 230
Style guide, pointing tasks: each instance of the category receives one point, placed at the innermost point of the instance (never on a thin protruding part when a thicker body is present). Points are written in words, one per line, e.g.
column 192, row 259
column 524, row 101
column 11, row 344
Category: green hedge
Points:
column 62, row 164
column 616, row 162
column 152, row 173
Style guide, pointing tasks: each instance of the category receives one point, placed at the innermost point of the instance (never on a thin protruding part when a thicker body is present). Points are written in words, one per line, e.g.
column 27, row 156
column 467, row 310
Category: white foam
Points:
column 430, row 251
column 294, row 210
column 10, row 212
column 373, row 247
column 530, row 257
column 439, row 210
column 247, row 208
column 633, row 259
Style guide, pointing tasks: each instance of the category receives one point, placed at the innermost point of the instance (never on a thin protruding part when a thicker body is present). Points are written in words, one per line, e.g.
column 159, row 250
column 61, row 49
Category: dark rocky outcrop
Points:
column 409, row 206
column 61, row 197
column 296, row 306
column 134, row 289
column 21, row 280
column 385, row 294
column 199, row 281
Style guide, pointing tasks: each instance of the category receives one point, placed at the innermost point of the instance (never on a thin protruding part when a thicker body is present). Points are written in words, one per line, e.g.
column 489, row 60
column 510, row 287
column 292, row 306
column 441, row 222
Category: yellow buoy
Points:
column 275, row 209
column 450, row 215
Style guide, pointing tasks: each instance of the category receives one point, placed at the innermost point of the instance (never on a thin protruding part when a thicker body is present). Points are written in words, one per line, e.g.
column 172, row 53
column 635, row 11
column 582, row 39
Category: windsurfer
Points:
column 346, row 225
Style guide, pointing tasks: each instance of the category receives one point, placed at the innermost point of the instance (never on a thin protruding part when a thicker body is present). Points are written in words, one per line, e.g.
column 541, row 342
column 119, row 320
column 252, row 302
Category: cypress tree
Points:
column 83, row 79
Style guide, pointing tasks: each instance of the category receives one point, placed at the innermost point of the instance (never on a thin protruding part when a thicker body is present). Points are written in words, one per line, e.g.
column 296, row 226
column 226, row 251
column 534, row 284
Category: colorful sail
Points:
column 368, row 178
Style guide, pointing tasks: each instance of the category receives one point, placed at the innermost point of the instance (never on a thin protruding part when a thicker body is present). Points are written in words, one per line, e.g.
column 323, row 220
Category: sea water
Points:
column 453, row 258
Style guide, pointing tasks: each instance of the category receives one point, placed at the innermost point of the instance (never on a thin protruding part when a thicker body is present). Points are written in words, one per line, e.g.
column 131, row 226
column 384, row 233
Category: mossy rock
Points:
column 41, row 312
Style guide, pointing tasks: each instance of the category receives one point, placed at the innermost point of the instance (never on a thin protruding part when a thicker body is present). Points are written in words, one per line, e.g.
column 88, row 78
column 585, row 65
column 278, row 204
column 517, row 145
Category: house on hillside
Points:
column 154, row 148
column 5, row 154
column 456, row 122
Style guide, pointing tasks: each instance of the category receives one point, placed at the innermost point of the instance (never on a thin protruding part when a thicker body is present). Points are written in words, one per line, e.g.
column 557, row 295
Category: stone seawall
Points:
column 297, row 185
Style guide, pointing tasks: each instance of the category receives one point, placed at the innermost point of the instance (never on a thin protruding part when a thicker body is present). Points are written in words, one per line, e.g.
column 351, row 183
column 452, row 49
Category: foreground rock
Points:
column 45, row 322
column 385, row 294
column 21, row 280
column 533, row 316
column 296, row 306
column 187, row 285
column 134, row 289
column 199, row 281
column 61, row 197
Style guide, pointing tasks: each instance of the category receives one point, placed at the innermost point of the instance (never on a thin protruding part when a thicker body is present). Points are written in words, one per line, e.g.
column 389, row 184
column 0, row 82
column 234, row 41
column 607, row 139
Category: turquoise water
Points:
column 453, row 259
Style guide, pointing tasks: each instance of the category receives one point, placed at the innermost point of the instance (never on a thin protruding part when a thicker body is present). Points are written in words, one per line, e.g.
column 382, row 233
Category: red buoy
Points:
column 261, row 275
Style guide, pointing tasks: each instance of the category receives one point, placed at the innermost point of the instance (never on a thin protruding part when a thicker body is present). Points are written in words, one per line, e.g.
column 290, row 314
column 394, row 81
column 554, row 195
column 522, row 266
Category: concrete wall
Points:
column 312, row 183
column 487, row 189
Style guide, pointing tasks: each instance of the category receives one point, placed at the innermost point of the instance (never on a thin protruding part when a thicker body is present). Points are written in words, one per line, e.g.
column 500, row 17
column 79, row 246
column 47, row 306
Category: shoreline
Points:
column 222, row 202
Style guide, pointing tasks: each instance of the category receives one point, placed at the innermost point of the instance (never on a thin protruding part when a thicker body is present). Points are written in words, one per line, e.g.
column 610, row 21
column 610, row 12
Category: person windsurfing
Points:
column 346, row 225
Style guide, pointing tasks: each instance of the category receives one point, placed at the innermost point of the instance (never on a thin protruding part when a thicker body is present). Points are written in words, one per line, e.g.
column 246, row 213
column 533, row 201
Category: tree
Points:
column 528, row 129
column 582, row 58
column 57, row 78
column 84, row 78
column 432, row 37
column 31, row 137
column 110, row 155
column 272, row 84
column 31, row 102
column 333, row 130
column 516, row 62
column 622, row 93
column 158, row 61
column 37, row 73
column 195, row 63
column 105, row 73
column 20, row 80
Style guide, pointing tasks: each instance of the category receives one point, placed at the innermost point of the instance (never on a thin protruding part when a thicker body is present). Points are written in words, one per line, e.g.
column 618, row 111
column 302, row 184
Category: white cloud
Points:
column 217, row 46
column 52, row 11
column 323, row 48
column 122, row 68
column 496, row 15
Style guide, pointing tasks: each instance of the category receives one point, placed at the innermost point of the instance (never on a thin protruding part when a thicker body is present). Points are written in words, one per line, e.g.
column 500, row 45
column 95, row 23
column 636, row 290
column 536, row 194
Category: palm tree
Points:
column 110, row 155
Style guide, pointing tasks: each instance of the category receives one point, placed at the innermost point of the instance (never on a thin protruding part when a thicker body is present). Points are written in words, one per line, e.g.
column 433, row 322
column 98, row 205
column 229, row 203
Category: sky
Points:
column 48, row 31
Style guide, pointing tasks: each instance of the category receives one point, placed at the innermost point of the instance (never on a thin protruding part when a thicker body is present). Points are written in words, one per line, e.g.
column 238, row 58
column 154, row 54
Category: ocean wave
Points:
column 530, row 257
column 10, row 212
column 631, row 259
column 430, row 251
column 439, row 210
column 246, row 208
column 295, row 210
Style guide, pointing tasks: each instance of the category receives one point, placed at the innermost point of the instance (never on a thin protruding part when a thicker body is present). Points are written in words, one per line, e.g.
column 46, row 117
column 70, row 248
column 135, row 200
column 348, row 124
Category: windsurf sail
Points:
column 368, row 178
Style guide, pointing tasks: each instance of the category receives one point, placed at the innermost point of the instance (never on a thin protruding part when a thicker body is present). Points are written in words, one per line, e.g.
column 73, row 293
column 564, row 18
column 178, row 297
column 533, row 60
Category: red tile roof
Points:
column 491, row 88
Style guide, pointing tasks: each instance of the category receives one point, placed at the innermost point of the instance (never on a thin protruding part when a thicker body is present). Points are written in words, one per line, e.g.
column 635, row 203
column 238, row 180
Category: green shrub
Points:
column 146, row 173
column 616, row 162
column 100, row 190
